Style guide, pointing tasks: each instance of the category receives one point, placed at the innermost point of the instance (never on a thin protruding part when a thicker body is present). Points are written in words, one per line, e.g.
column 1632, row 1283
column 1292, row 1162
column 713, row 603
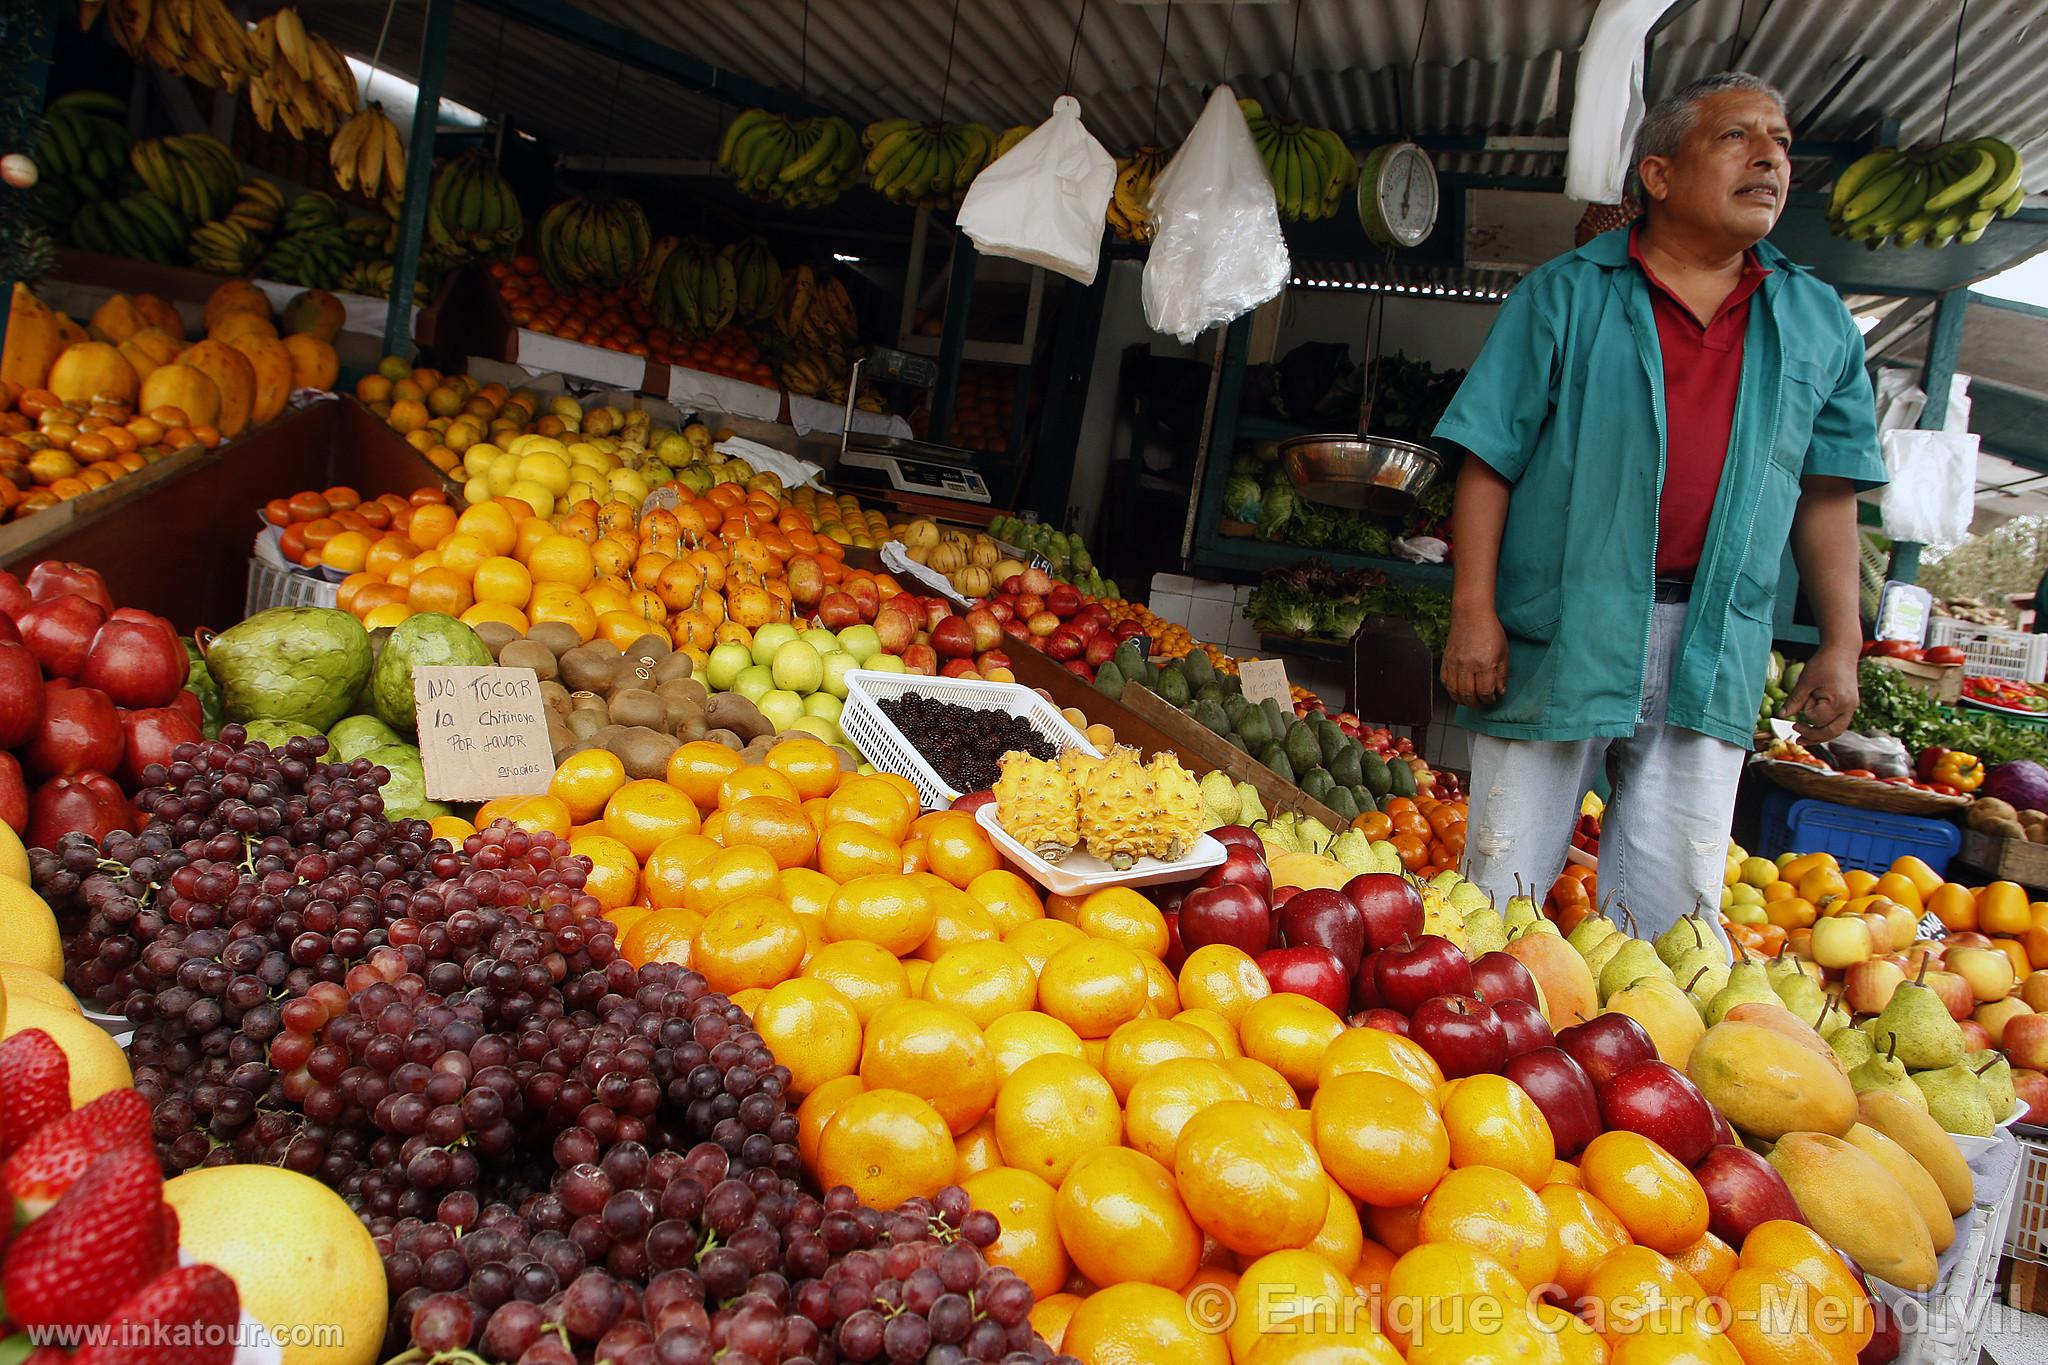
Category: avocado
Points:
column 1316, row 783
column 1129, row 662
column 1210, row 691
column 1362, row 798
column 1172, row 688
column 1329, row 737
column 1275, row 757
column 1237, row 740
column 1278, row 716
column 1234, row 707
column 1302, row 750
column 1252, row 726
column 1148, row 672
column 1209, row 714
column 1403, row 778
column 1109, row 680
column 1198, row 668
column 1345, row 767
column 1377, row 779
column 1231, row 684
column 1343, row 802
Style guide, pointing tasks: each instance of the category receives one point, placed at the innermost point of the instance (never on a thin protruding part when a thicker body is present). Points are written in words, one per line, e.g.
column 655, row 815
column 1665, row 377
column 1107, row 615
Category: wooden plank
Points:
column 1191, row 736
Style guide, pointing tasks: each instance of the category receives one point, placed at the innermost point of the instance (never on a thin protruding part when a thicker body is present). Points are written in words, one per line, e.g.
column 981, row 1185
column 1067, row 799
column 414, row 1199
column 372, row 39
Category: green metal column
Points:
column 953, row 340
column 1944, row 346
column 419, row 178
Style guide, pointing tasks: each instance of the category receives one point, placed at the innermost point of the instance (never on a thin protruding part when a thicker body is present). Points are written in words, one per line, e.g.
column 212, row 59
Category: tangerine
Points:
column 934, row 1052
column 1122, row 1220
column 1285, row 1293
column 665, row 876
column 1388, row 1054
column 1163, row 1099
column 812, row 1029
column 614, row 876
column 886, row 1146
column 1495, row 1212
column 1015, row 1039
column 1093, row 986
column 699, row 768
column 1219, row 977
column 1121, row 915
column 1656, row 1198
column 847, row 851
column 661, row 936
column 888, row 909
column 1038, row 939
column 865, row 975
column 643, row 813
column 732, row 875
column 809, row 765
column 774, row 824
column 1139, row 1324
column 1250, row 1178
column 1053, row 1110
column 1587, row 1231
column 985, row 980
column 874, row 802
column 1493, row 1122
column 752, row 781
column 752, row 941
column 1008, row 898
column 1289, row 1033
column 1379, row 1139
column 1029, row 1242
column 1135, row 1048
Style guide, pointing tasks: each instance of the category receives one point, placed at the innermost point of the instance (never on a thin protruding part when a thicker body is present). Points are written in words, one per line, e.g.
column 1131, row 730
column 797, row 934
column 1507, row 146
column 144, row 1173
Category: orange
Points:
column 1039, row 939
column 886, row 1146
column 1135, row 1048
column 1029, row 1242
column 642, row 813
column 1163, row 1099
column 1341, row 1240
column 1497, row 1213
column 1656, row 1198
column 1267, row 1086
column 502, row 580
column 984, row 980
column 746, row 782
column 774, row 824
column 1785, row 1245
column 1008, row 898
column 812, row 1029
column 809, row 765
column 1710, row 1261
column 664, row 877
column 463, row 552
column 1053, row 1110
column 977, row 1150
column 1051, row 1314
column 1216, row 1026
column 1286, row 1293
column 959, row 850
column 495, row 611
column 934, row 1052
column 491, row 523
column 347, row 551
column 1634, row 1283
column 1441, row 1273
column 1121, row 1220
column 1121, row 915
column 1093, row 986
column 1586, row 1229
column 431, row 524
column 1773, row 1318
column 887, row 909
column 1487, row 1332
column 662, row 936
column 1162, row 993
column 562, row 559
column 535, row 814
column 1219, row 977
column 1250, row 1178
column 748, row 942
column 625, row 917
column 614, row 873
column 585, row 781
column 808, row 892
column 1493, row 1122
column 1379, row 1139
column 1577, row 1343
column 847, row 851
column 1139, row 1324
column 871, row 801
column 1289, row 1033
column 453, row 828
column 1015, row 1039
column 1369, row 1276
column 698, row 768
column 1387, row 1054
column 865, row 976
column 733, row 875
column 556, row 602
column 957, row 918
column 1394, row 1229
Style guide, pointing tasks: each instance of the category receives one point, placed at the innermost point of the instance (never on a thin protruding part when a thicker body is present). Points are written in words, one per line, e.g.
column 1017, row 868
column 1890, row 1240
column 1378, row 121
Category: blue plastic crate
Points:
column 1869, row 839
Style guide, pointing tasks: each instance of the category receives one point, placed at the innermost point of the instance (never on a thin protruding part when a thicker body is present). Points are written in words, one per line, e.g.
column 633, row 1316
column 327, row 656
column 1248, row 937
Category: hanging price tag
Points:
column 483, row 732
column 1263, row 678
column 1039, row 561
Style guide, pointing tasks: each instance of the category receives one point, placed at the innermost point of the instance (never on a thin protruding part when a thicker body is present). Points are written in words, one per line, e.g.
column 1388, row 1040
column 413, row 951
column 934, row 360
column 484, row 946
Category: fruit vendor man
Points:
column 1653, row 418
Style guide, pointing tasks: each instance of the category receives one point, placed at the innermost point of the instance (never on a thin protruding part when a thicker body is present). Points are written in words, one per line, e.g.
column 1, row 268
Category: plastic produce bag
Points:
column 1880, row 754
column 1042, row 202
column 1217, row 251
column 1933, row 490
column 1607, row 103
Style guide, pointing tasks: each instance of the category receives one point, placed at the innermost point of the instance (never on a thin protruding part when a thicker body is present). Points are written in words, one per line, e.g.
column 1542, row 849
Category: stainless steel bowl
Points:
column 1379, row 474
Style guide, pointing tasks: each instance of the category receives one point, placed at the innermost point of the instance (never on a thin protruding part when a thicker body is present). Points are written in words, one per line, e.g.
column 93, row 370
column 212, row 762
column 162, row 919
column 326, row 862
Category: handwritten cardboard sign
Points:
column 483, row 732
column 1263, row 678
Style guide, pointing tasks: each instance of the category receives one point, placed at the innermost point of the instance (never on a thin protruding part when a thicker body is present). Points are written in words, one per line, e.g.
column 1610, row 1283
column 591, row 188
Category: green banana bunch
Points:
column 225, row 246
column 81, row 154
column 1928, row 195
column 471, row 210
column 258, row 206
column 1129, row 211
column 698, row 292
column 137, row 225
column 593, row 240
column 373, row 237
column 926, row 165
column 192, row 172
column 314, row 259
column 758, row 275
column 310, row 211
column 1312, row 171
column 805, row 163
column 374, row 278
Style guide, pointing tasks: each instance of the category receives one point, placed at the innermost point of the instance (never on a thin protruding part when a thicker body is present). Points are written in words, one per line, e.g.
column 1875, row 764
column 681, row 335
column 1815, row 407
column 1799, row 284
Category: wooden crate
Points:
column 1943, row 682
column 2012, row 860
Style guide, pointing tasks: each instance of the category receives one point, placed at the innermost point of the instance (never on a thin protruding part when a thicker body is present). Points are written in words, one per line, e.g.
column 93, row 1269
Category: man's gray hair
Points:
column 1671, row 118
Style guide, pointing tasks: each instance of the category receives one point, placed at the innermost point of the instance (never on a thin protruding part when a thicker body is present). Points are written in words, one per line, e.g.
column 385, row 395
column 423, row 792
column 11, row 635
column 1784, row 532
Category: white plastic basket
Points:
column 1992, row 652
column 270, row 586
column 883, row 745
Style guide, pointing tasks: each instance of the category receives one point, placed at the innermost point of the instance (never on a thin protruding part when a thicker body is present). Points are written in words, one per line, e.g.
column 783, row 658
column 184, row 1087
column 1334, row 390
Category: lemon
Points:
column 97, row 1062
column 28, row 931
column 26, row 983
column 297, row 1255
column 545, row 468
column 13, row 857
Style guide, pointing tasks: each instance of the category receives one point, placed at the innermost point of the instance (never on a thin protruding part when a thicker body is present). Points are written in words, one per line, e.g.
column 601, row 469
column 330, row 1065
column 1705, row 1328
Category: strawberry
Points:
column 166, row 1248
column 45, row 1166
column 99, row 1244
column 35, row 1085
column 196, row 1303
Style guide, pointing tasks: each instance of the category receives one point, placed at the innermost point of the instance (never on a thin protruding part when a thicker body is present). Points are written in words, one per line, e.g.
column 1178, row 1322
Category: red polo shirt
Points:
column 1702, row 374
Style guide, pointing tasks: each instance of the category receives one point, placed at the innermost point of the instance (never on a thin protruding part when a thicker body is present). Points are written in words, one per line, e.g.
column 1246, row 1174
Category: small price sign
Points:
column 1039, row 561
column 1263, row 678
column 483, row 732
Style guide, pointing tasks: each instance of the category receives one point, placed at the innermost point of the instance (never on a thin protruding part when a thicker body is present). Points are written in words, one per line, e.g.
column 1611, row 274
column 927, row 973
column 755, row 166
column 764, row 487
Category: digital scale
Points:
column 902, row 464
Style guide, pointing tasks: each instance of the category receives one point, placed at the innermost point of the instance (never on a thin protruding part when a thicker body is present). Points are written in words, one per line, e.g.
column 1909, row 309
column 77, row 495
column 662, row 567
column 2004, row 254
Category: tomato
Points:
column 308, row 506
column 278, row 512
column 1943, row 654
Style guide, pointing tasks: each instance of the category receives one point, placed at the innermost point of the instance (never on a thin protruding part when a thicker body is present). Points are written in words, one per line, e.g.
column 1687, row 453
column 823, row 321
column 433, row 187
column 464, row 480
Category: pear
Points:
column 1833, row 1015
column 1520, row 910
column 1666, row 1013
column 1589, row 932
column 1249, row 808
column 1956, row 1100
column 1853, row 1046
column 1702, row 973
column 1485, row 930
column 1883, row 1071
column 1353, row 851
column 1315, row 835
column 1219, row 798
column 1802, row 995
column 1631, row 962
column 1994, row 1073
column 1747, row 980
column 1785, row 966
column 1684, row 937
column 1539, row 925
column 1928, row 1039
column 1469, row 896
column 1603, row 952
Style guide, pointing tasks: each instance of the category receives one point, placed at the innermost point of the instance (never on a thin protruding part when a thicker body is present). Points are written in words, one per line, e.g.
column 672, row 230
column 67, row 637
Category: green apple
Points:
column 885, row 663
column 823, row 704
column 837, row 666
column 754, row 682
column 819, row 726
column 861, row 642
column 797, row 667
column 725, row 663
column 821, row 639
column 770, row 638
column 781, row 707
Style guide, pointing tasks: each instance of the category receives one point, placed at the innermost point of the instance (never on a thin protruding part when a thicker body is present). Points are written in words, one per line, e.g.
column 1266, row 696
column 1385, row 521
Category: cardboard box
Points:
column 1943, row 682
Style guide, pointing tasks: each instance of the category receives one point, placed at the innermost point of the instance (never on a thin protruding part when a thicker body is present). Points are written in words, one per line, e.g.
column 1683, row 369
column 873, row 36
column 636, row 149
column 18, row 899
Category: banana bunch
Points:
column 1311, row 169
column 374, row 237
column 303, row 80
column 199, row 39
column 1929, row 196
column 471, row 210
column 314, row 259
column 368, row 154
column 194, row 173
column 258, row 206
column 815, row 312
column 926, row 165
column 226, row 247
column 648, row 280
column 374, row 278
column 1012, row 135
column 810, row 375
column 698, row 291
column 759, row 277
column 310, row 211
column 805, row 163
column 1130, row 211
column 599, row 241
column 81, row 153
column 138, row 225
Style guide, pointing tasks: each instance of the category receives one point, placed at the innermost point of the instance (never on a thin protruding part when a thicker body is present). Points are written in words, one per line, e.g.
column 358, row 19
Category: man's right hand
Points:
column 1475, row 670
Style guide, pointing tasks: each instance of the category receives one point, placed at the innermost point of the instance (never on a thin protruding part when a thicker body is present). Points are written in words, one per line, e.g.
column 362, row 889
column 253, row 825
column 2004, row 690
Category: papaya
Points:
column 1570, row 995
column 314, row 313
column 240, row 324
column 184, row 387
column 1922, row 1138
column 1852, row 1201
column 156, row 312
column 1781, row 1020
column 233, row 296
column 1912, row 1178
column 115, row 320
column 1769, row 1084
column 1307, row 870
column 314, row 363
column 32, row 341
column 91, row 370
column 149, row 347
column 232, row 375
column 272, row 365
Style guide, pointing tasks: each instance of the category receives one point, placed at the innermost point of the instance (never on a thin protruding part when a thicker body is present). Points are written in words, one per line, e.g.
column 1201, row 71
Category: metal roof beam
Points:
column 585, row 29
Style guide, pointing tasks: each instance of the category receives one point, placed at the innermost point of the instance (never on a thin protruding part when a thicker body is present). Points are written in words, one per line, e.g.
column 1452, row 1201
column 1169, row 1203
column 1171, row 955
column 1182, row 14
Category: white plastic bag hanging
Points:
column 1607, row 102
column 1218, row 251
column 1042, row 202
column 1933, row 490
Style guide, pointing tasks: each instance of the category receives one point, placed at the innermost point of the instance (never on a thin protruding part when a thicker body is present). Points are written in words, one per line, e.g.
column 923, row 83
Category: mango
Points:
column 1768, row 1084
column 1569, row 993
column 1850, row 1199
column 1913, row 1129
column 1778, row 1019
column 1913, row 1178
column 1307, row 870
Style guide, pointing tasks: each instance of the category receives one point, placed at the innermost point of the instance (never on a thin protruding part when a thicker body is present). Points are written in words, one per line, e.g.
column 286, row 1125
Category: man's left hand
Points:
column 1823, row 702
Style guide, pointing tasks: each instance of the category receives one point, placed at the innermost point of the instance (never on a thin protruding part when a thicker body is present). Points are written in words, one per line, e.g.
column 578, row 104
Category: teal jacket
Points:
column 1566, row 401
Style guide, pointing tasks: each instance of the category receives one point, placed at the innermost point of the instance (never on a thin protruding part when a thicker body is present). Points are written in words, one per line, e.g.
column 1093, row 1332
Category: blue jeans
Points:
column 1664, row 840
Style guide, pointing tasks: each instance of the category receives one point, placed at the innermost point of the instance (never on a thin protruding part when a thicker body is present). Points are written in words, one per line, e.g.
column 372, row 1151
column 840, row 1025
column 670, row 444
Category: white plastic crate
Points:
column 883, row 745
column 1992, row 652
column 270, row 586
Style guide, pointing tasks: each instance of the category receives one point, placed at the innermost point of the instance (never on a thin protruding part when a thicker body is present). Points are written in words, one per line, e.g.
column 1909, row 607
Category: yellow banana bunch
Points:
column 199, row 39
column 814, row 311
column 698, row 291
column 1012, row 135
column 926, row 165
column 1312, row 170
column 304, row 82
column 803, row 162
column 593, row 240
column 1928, row 195
column 368, row 155
column 1129, row 211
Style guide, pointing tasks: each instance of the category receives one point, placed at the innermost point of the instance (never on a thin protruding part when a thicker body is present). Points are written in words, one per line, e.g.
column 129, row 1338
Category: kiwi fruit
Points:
column 632, row 672
column 527, row 654
column 496, row 635
column 637, row 706
column 681, row 713
column 684, row 689
column 585, row 723
column 645, row 752
column 560, row 736
column 673, row 668
column 649, row 647
column 557, row 637
column 584, row 669
column 731, row 711
column 727, row 738
column 603, row 649
column 555, row 698
column 849, row 761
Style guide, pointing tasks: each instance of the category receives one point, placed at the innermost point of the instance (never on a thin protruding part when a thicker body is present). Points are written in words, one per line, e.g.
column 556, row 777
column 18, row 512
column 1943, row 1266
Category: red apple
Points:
column 866, row 597
column 1326, row 919
column 1499, row 976
column 972, row 801
column 1013, row 585
column 1037, row 580
column 1014, row 629
column 150, row 736
column 958, row 668
column 1524, row 1024
column 1976, row 1037
column 937, row 609
column 1101, row 647
column 1239, row 836
column 1742, row 1190
column 21, row 695
column 1004, row 611
column 1954, row 991
column 993, row 658
column 9, row 632
column 1042, row 623
column 59, row 632
column 1391, row 906
column 2026, row 1042
column 1381, row 1018
column 1461, row 1033
column 1061, row 600
column 1419, row 968
column 988, row 631
column 1243, row 864
column 1029, row 605
column 1085, row 626
column 1660, row 1102
column 838, row 610
column 2032, row 1089
column 1886, row 1337
column 14, row 794
column 56, row 578
column 187, row 705
column 1307, row 970
column 138, row 664
column 87, row 803
column 14, row 598
column 1561, row 1090
column 1063, row 644
column 1607, row 1045
column 894, row 629
column 1231, row 912
column 921, row 659
column 80, row 732
column 953, row 638
column 1124, row 630
column 1080, row 668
